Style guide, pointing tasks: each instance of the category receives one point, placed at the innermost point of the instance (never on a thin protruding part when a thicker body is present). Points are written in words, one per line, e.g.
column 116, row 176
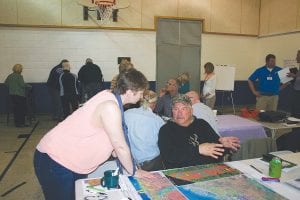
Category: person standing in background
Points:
column 53, row 88
column 268, row 85
column 16, row 87
column 295, row 111
column 68, row 90
column 91, row 79
column 123, row 66
column 209, row 88
column 291, row 141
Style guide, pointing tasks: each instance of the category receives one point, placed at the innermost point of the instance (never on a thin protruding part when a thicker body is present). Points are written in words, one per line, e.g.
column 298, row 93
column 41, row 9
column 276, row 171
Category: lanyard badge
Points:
column 270, row 78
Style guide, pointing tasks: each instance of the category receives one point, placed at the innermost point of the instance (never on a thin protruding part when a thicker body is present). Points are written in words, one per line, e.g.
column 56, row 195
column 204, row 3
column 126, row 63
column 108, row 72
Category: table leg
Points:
column 273, row 133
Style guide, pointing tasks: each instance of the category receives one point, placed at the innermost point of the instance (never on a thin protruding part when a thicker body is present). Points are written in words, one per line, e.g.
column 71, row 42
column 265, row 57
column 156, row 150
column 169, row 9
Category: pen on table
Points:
column 256, row 169
column 270, row 179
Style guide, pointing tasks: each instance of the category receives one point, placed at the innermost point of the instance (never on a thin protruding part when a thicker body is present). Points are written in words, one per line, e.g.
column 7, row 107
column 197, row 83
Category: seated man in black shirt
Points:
column 187, row 141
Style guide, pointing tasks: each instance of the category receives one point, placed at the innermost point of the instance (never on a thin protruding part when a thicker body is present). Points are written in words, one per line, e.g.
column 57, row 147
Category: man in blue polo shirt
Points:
column 268, row 85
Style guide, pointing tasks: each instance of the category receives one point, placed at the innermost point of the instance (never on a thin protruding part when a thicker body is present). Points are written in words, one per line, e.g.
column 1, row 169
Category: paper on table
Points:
column 283, row 75
column 294, row 183
column 293, row 119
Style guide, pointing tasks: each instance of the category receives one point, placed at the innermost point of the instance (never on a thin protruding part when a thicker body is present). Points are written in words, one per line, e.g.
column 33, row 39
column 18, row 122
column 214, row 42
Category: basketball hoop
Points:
column 105, row 9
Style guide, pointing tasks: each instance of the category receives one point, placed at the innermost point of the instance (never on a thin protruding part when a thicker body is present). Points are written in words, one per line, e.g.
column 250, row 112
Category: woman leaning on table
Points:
column 87, row 138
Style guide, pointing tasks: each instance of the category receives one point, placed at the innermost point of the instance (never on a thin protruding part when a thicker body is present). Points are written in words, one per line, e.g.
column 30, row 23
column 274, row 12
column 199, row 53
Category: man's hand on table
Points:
column 211, row 149
column 232, row 143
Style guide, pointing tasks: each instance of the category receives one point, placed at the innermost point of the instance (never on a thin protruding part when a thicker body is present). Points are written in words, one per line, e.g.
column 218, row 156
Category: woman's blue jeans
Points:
column 57, row 182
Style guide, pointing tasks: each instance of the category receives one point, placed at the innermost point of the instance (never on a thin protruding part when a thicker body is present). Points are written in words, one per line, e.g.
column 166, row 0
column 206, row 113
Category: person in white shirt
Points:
column 202, row 111
column 209, row 88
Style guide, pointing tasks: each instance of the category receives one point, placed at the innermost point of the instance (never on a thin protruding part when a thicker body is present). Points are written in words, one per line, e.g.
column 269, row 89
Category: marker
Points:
column 270, row 179
column 98, row 190
column 256, row 169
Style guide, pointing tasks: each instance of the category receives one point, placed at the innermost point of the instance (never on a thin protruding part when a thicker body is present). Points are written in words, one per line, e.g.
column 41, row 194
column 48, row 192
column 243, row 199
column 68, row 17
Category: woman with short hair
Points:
column 87, row 138
column 17, row 92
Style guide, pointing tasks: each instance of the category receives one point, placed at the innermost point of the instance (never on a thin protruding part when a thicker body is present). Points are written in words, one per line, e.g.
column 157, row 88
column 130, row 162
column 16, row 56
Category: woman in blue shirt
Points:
column 143, row 128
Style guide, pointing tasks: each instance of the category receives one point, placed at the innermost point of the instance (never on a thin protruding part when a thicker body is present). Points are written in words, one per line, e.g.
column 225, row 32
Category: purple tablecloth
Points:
column 244, row 129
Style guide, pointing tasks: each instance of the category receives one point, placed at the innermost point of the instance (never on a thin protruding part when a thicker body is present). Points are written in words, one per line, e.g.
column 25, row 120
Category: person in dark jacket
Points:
column 54, row 88
column 68, row 90
column 188, row 141
column 90, row 77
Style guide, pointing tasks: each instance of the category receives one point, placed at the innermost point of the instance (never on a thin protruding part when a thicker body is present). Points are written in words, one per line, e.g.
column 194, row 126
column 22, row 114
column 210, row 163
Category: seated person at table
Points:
column 184, row 80
column 143, row 127
column 202, row 111
column 164, row 107
column 188, row 141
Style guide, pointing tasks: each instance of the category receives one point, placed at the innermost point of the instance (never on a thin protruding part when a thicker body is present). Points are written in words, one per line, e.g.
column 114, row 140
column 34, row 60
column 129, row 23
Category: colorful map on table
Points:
column 156, row 188
column 188, row 175
column 237, row 187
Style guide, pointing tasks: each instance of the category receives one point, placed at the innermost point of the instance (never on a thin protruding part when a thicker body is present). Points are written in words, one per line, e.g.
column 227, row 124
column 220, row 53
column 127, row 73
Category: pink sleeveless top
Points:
column 77, row 143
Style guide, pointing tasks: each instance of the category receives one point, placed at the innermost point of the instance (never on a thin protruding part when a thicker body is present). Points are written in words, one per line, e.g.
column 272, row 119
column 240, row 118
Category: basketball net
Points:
column 105, row 10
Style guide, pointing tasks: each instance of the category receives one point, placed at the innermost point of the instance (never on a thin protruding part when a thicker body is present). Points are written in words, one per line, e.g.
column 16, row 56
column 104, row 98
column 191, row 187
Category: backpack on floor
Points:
column 272, row 116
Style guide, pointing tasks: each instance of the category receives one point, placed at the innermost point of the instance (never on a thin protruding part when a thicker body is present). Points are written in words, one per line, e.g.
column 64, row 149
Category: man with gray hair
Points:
column 187, row 141
column 91, row 78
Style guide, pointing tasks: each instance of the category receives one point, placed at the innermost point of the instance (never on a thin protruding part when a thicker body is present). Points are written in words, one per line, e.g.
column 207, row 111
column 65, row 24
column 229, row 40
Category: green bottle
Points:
column 275, row 167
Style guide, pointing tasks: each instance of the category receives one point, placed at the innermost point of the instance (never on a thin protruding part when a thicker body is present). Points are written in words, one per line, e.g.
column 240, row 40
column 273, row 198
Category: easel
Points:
column 231, row 98
column 225, row 82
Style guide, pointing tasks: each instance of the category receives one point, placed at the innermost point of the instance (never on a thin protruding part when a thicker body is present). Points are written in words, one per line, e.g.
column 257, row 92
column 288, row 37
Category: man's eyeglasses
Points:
column 172, row 84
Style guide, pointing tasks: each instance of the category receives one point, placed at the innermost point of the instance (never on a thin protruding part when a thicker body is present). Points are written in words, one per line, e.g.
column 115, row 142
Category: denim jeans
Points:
column 57, row 182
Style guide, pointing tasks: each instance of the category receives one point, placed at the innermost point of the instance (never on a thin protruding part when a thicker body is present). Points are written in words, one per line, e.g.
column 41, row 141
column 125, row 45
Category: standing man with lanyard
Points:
column 268, row 85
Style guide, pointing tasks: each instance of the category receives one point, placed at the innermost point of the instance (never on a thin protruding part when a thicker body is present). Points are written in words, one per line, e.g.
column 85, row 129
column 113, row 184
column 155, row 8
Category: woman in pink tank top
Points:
column 87, row 138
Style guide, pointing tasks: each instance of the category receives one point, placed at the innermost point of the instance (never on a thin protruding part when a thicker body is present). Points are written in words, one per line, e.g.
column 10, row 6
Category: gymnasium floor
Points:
column 20, row 172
